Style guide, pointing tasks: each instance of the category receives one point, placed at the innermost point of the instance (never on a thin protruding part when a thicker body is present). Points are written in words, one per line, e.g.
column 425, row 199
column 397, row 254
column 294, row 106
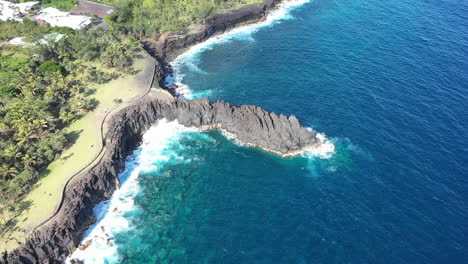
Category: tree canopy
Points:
column 150, row 18
column 43, row 87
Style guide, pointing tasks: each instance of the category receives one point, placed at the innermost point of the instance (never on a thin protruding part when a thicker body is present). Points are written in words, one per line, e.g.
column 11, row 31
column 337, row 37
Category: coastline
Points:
column 169, row 46
column 53, row 242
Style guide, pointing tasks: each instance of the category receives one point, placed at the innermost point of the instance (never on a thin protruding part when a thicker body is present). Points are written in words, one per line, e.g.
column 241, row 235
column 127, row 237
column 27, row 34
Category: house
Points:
column 57, row 18
column 13, row 12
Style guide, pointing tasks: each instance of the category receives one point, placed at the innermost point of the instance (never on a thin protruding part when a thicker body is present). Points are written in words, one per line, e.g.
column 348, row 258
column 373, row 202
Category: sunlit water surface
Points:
column 385, row 81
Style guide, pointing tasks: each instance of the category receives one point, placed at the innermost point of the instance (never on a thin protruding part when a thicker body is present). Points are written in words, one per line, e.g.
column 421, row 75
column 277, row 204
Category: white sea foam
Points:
column 324, row 151
column 191, row 58
column 155, row 150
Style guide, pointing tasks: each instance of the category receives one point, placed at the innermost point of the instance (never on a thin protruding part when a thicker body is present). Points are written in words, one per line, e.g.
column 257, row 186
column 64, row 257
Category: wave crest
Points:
column 112, row 215
column 190, row 59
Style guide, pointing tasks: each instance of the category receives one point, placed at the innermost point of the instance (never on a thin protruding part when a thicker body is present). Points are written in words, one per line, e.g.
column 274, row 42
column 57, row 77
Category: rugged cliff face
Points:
column 250, row 124
column 170, row 45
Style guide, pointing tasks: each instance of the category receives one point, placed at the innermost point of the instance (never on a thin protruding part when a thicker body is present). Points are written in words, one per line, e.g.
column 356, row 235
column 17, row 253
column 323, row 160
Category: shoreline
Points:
column 169, row 46
column 55, row 241
column 173, row 80
column 233, row 136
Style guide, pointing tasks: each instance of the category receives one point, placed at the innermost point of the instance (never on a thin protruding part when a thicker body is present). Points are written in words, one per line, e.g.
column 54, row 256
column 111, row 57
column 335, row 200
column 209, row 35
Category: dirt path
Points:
column 147, row 78
column 47, row 198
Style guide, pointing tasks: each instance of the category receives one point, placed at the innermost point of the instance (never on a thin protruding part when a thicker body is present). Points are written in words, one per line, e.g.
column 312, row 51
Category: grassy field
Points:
column 42, row 201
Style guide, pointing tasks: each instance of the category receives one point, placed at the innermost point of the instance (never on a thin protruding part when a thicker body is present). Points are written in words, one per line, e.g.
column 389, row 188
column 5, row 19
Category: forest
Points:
column 44, row 87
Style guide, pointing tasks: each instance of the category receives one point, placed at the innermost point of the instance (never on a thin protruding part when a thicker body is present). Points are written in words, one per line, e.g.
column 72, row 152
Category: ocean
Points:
column 386, row 83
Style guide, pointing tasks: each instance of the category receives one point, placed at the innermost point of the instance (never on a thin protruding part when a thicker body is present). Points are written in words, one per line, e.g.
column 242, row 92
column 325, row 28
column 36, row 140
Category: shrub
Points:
column 8, row 91
column 51, row 66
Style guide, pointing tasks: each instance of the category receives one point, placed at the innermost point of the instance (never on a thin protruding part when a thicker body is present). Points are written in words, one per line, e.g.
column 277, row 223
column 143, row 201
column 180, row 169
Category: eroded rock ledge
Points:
column 250, row 124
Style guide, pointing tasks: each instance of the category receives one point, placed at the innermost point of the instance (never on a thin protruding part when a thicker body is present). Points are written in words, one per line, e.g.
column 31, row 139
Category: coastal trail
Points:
column 46, row 199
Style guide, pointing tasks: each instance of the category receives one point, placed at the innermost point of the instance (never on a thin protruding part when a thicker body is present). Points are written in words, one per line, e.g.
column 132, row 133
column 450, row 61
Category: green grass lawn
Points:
column 41, row 202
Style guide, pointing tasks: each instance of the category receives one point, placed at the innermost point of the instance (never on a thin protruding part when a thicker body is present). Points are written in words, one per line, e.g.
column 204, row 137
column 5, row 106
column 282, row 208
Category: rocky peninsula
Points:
column 251, row 125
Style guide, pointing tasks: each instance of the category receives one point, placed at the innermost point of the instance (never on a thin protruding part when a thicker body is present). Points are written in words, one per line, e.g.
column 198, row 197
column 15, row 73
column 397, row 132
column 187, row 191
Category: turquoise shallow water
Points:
column 386, row 82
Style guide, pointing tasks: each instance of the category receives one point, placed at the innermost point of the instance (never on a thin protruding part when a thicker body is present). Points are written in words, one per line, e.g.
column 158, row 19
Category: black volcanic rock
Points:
column 170, row 45
column 53, row 242
column 250, row 124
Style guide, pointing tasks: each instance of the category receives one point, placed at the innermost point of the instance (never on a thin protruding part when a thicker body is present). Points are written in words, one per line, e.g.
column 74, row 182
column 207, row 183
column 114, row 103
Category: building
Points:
column 57, row 18
column 13, row 12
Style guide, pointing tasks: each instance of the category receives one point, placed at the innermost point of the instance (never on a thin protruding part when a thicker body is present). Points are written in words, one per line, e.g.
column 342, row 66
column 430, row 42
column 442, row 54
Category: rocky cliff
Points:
column 249, row 124
column 252, row 125
column 171, row 44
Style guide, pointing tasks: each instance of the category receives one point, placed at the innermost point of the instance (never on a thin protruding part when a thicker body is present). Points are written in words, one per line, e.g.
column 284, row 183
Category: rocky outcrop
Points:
column 249, row 124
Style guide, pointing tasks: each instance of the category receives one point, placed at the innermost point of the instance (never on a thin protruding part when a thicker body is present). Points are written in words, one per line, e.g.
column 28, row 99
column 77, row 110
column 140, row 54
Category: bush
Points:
column 51, row 66
column 63, row 5
column 8, row 91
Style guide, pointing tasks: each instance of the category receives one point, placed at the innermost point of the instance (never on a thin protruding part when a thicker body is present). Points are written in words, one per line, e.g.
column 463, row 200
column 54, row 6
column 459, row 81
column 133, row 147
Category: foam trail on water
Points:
column 155, row 150
column 191, row 58
column 325, row 151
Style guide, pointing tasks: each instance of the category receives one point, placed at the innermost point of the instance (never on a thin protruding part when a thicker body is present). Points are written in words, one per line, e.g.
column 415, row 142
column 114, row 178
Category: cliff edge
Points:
column 249, row 124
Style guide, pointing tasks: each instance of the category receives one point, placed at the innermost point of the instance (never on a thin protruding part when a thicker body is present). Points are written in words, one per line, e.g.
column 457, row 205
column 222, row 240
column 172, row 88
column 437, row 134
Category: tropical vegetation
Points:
column 150, row 18
column 43, row 87
column 63, row 5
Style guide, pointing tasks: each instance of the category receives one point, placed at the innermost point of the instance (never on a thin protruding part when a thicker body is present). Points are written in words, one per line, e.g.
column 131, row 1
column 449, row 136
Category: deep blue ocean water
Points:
column 387, row 82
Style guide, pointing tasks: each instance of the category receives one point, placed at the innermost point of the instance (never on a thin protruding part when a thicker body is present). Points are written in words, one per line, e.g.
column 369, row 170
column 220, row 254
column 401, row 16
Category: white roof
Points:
column 8, row 11
column 18, row 41
column 52, row 37
column 12, row 12
column 25, row 7
column 57, row 18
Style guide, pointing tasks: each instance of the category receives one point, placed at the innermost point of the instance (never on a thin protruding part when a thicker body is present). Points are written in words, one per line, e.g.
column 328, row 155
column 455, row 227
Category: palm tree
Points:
column 7, row 172
column 11, row 152
column 28, row 160
column 66, row 117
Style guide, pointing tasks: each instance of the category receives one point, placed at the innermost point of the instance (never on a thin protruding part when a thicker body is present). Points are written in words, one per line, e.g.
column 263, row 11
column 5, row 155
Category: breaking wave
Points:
column 97, row 246
column 190, row 59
